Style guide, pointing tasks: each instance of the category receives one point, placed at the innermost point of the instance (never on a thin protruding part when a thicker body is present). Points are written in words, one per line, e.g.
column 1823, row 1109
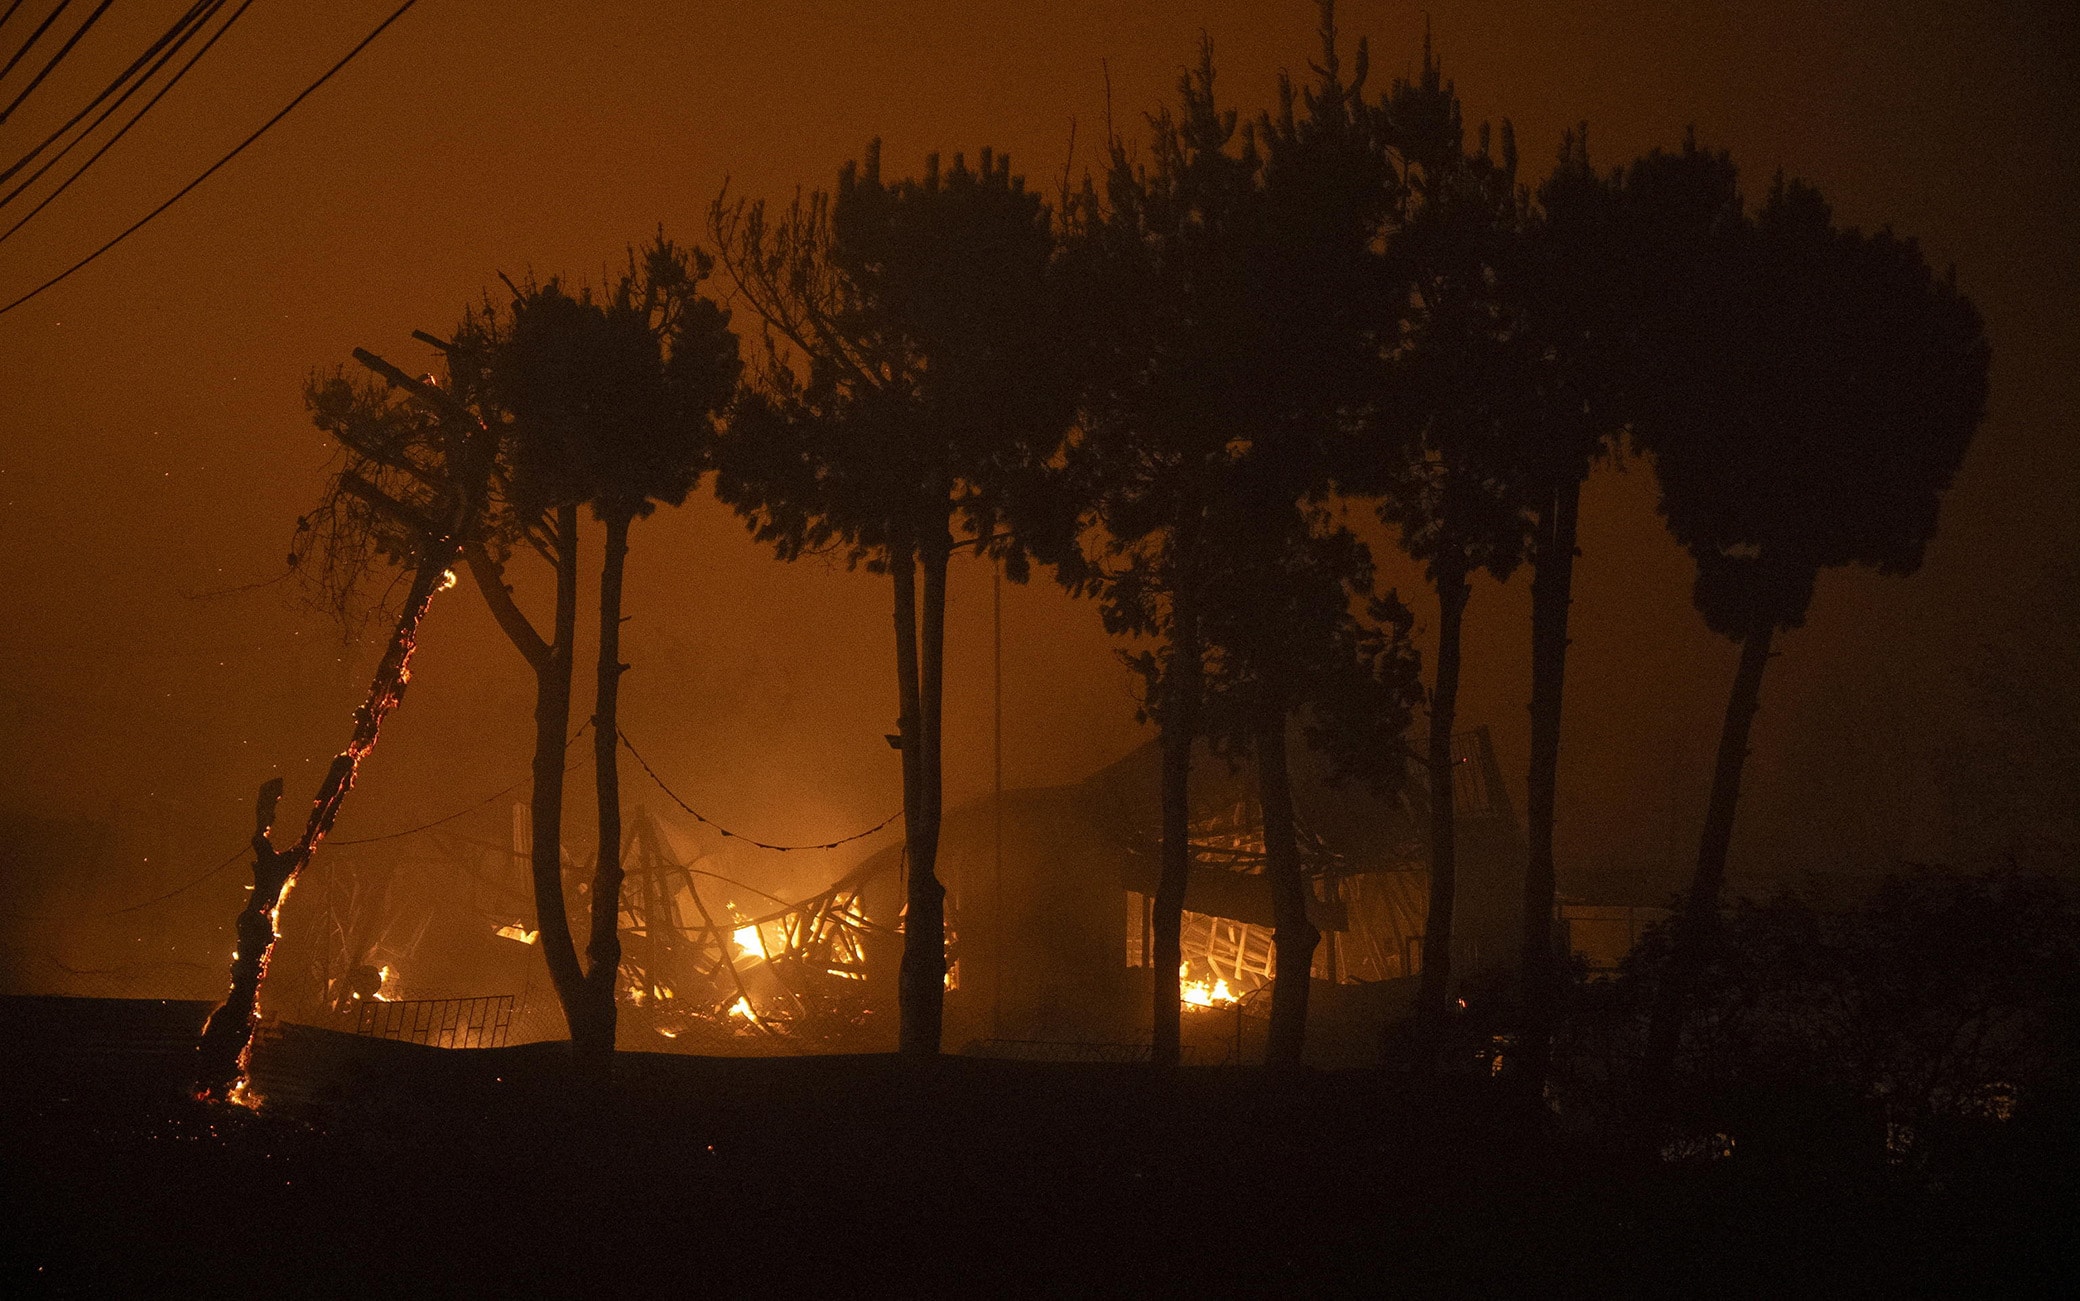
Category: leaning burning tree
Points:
column 410, row 490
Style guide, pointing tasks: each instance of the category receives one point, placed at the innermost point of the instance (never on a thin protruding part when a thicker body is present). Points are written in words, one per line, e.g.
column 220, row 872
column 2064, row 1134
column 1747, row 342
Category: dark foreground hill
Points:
column 382, row 1169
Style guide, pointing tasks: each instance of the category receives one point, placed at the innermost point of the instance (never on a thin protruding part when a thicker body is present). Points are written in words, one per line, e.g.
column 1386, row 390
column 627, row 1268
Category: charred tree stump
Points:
column 222, row 1053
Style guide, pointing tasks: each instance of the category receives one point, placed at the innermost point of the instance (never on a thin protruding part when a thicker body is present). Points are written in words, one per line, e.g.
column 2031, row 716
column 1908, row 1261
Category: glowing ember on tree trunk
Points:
column 226, row 1044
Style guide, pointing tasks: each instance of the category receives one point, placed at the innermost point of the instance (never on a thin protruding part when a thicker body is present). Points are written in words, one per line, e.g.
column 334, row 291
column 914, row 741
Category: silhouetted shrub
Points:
column 1932, row 1013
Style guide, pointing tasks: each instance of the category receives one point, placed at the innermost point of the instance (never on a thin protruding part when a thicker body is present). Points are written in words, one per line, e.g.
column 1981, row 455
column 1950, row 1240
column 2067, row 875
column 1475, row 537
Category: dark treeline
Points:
column 1172, row 386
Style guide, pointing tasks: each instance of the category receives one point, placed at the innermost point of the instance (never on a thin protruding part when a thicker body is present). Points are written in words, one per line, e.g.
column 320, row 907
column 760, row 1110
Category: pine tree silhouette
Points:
column 1815, row 396
column 1456, row 390
column 911, row 391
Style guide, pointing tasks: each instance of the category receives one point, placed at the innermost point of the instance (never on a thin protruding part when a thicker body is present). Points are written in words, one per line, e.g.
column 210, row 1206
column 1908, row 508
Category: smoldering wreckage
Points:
column 1049, row 919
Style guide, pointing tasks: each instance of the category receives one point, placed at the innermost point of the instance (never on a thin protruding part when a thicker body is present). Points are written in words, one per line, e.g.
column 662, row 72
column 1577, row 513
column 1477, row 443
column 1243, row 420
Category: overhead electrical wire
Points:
column 122, row 967
column 124, row 130
column 35, row 36
column 737, row 835
column 334, row 841
column 10, row 12
column 471, row 808
column 198, row 12
column 235, row 855
column 342, row 842
column 787, row 907
column 241, row 147
column 55, row 60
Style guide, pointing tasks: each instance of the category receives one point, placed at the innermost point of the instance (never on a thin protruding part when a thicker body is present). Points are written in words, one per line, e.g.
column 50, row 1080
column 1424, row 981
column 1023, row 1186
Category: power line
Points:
column 124, row 130
column 55, row 60
column 196, row 13
column 10, row 12
column 338, row 842
column 428, row 826
column 120, row 968
column 361, row 840
column 35, row 36
column 733, row 835
column 236, row 854
column 139, row 224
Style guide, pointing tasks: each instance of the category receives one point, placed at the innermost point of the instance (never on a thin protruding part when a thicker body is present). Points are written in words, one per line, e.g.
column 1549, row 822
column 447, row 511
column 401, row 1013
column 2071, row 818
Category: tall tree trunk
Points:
column 1434, row 997
column 1699, row 923
column 221, row 1054
column 1293, row 935
column 922, row 979
column 553, row 662
column 1552, row 581
column 603, row 950
column 552, row 737
column 1179, row 721
column 927, row 892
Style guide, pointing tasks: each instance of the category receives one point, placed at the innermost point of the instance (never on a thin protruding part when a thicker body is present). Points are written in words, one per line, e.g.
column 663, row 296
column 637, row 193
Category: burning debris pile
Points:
column 796, row 974
column 1368, row 913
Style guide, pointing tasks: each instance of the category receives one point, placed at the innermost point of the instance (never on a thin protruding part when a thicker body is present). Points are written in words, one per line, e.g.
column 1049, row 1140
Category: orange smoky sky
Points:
column 154, row 451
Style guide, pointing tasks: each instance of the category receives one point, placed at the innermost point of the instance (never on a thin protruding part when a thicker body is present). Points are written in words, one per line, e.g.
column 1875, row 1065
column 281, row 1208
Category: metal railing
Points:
column 482, row 1022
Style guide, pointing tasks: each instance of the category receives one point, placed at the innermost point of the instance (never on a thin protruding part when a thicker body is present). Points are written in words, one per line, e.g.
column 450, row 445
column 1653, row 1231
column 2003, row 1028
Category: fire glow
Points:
column 1200, row 993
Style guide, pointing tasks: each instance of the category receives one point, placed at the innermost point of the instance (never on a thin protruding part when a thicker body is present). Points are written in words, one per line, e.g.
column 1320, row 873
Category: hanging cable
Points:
column 337, row 841
column 197, row 13
column 236, row 854
column 55, row 60
column 241, row 851
column 122, row 131
column 342, row 841
column 733, row 835
column 241, row 147
column 35, row 36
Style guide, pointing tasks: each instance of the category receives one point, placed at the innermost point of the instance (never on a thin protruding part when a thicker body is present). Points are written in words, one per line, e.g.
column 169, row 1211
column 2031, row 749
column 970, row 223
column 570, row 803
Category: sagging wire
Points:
column 213, row 168
column 335, row 842
column 705, row 820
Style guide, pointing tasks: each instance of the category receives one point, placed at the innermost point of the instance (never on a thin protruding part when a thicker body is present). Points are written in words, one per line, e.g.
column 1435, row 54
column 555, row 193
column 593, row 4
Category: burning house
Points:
column 1050, row 899
column 711, row 964
column 1049, row 921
